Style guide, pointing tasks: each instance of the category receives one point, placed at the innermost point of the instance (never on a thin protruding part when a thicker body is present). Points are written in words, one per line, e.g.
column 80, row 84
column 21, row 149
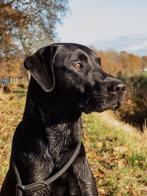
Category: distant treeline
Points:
column 122, row 62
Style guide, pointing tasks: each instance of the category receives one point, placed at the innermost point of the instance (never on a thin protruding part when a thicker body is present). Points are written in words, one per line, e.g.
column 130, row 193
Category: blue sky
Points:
column 90, row 20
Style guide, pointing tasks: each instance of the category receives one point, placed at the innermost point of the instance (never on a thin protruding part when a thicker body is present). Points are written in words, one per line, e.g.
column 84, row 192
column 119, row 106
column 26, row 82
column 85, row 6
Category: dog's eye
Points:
column 78, row 66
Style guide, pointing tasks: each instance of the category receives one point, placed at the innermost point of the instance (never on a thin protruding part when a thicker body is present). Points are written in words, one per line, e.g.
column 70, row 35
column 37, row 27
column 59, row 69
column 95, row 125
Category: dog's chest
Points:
column 62, row 139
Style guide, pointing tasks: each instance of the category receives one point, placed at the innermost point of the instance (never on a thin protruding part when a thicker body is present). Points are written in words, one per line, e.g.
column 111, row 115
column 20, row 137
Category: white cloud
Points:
column 135, row 46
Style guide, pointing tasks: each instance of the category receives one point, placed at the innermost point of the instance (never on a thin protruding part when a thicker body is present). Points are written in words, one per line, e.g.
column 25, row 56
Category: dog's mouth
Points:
column 100, row 103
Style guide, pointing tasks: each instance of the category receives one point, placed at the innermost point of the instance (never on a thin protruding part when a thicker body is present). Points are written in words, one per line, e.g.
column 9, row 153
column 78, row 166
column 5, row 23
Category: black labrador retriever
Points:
column 47, row 157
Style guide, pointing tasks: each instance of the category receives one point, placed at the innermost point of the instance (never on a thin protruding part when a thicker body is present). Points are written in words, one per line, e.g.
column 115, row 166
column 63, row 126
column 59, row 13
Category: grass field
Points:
column 117, row 152
column 144, row 73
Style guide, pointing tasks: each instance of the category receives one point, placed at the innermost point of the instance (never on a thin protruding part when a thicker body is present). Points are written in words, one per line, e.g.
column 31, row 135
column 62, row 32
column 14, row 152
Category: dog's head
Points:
column 74, row 71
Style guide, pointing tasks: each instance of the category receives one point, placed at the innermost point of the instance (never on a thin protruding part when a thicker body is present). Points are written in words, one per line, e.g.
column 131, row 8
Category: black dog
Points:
column 67, row 79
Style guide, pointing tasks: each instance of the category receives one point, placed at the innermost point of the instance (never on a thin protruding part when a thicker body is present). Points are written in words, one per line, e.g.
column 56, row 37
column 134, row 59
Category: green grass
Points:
column 117, row 157
column 144, row 73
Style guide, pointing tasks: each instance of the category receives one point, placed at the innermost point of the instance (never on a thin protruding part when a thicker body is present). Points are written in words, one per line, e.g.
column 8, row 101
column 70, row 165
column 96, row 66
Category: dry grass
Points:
column 118, row 155
column 110, row 118
column 11, row 109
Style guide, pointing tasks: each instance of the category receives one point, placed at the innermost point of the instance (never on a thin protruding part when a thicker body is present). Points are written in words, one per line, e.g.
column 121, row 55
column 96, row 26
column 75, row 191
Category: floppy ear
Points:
column 40, row 65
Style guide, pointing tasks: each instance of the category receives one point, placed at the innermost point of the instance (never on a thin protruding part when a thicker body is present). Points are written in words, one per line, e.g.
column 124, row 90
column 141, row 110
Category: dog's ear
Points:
column 41, row 67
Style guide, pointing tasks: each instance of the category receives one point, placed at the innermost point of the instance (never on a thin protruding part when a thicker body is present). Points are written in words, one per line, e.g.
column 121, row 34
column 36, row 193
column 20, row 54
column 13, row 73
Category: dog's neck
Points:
column 49, row 109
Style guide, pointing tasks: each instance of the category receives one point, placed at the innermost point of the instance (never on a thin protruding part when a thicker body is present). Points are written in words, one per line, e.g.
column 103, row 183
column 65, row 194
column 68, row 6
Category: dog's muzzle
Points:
column 109, row 96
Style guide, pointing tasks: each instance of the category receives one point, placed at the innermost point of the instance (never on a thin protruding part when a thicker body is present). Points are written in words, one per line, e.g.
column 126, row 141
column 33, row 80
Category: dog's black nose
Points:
column 115, row 87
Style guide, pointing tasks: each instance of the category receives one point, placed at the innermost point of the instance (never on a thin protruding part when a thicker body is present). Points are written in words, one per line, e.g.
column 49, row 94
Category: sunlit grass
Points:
column 11, row 109
column 119, row 155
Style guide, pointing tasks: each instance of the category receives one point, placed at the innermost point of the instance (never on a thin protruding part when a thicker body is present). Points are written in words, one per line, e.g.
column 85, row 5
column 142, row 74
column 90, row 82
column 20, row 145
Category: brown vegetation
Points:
column 134, row 109
column 123, row 62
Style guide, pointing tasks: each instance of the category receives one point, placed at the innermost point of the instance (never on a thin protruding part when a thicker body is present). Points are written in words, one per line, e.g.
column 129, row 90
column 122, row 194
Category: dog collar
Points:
column 20, row 189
